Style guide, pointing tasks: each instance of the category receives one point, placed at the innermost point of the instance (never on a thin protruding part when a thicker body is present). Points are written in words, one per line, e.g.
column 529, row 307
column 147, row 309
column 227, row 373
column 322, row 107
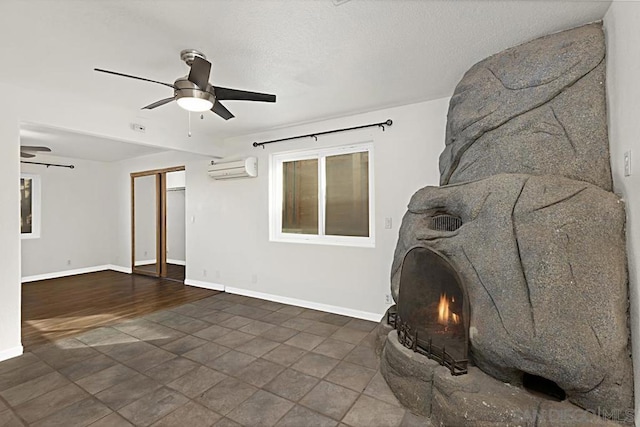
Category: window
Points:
column 323, row 196
column 29, row 206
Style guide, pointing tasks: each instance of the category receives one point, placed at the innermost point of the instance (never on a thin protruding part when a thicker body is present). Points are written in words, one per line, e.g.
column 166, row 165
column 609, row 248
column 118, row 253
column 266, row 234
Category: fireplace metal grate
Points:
column 445, row 222
column 410, row 340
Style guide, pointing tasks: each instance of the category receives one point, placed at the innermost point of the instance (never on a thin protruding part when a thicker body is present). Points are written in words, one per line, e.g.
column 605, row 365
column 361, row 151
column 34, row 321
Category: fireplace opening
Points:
column 432, row 316
column 543, row 387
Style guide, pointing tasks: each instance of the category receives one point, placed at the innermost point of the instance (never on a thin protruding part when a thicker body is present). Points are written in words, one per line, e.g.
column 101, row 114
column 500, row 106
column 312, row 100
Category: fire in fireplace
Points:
column 432, row 316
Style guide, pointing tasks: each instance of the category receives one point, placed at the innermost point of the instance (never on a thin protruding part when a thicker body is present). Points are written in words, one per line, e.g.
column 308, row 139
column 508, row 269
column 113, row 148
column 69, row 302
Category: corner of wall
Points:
column 623, row 85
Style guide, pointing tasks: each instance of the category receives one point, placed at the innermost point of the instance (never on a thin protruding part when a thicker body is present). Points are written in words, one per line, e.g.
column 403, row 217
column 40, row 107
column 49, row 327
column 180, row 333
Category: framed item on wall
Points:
column 29, row 206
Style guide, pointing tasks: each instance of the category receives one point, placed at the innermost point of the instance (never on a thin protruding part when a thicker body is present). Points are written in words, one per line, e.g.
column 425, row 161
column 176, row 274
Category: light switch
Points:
column 388, row 223
column 627, row 163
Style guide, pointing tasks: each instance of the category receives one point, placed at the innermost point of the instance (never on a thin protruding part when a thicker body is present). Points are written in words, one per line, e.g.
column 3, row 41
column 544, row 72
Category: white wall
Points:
column 229, row 241
column 623, row 86
column 176, row 226
column 176, row 180
column 77, row 217
column 9, row 226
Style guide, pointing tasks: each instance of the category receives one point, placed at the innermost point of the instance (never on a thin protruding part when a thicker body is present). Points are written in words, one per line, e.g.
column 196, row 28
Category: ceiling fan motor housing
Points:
column 188, row 55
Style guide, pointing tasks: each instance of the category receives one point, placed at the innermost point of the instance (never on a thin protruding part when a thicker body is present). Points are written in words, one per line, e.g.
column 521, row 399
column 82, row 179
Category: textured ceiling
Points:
column 321, row 59
column 80, row 146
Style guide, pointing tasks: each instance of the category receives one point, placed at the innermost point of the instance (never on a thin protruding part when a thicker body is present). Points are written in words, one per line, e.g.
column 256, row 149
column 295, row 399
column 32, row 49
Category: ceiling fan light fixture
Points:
column 196, row 105
column 191, row 98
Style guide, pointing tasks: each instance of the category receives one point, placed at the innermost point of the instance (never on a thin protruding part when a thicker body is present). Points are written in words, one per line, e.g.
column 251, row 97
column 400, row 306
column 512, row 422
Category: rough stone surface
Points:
column 478, row 399
column 538, row 108
column 543, row 259
column 474, row 399
column 381, row 332
column 409, row 375
column 553, row 414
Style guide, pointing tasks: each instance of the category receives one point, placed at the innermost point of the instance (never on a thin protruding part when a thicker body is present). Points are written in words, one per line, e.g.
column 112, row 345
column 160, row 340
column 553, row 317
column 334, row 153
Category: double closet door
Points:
column 149, row 221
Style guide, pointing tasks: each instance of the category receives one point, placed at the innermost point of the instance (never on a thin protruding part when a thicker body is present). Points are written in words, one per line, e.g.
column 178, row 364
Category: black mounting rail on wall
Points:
column 48, row 164
column 315, row 135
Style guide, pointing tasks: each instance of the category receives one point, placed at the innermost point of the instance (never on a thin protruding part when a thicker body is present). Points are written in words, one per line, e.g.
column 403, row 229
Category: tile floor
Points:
column 226, row 360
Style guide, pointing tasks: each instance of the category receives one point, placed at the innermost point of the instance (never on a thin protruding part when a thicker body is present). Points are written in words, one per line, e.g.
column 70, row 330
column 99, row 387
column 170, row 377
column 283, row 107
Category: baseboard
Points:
column 11, row 353
column 120, row 269
column 374, row 317
column 65, row 273
column 205, row 285
column 176, row 262
column 145, row 262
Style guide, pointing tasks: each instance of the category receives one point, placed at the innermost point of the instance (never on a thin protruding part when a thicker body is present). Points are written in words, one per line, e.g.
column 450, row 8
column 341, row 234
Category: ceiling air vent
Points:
column 445, row 222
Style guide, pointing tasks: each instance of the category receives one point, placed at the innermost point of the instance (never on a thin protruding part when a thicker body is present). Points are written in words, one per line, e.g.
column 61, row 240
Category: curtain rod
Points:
column 315, row 135
column 48, row 164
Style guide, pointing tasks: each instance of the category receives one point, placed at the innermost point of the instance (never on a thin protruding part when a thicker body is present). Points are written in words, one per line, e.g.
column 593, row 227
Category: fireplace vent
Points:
column 445, row 222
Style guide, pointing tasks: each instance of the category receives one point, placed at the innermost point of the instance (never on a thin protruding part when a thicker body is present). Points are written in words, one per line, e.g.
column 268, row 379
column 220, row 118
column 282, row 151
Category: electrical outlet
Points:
column 627, row 163
column 388, row 299
column 68, row 262
column 145, row 253
column 204, row 273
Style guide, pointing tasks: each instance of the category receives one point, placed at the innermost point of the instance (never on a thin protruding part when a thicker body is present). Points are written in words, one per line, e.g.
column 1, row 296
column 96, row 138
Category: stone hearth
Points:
column 526, row 218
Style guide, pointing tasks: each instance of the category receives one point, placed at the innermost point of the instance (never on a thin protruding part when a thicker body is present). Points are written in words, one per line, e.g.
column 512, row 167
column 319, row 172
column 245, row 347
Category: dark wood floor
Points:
column 174, row 271
column 58, row 308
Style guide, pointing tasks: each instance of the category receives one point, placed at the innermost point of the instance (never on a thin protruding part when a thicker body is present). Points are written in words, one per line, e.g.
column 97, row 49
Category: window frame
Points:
column 276, row 195
column 36, row 206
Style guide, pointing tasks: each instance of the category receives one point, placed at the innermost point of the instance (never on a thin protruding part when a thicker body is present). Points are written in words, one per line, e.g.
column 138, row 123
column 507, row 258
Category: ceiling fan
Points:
column 194, row 92
column 28, row 151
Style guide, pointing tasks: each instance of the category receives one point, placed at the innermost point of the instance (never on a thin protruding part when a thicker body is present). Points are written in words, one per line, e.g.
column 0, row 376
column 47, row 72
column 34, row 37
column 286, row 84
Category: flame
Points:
column 445, row 315
column 455, row 318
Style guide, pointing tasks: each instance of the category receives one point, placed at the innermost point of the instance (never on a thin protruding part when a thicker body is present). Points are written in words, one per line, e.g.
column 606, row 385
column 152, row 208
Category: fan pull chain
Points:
column 189, row 115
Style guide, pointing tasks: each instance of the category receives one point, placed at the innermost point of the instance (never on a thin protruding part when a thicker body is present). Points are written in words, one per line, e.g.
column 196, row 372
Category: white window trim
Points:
column 275, row 197
column 35, row 206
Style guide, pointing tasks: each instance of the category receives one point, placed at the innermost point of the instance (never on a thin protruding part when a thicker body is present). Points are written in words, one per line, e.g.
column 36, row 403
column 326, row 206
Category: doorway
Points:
column 176, row 225
column 158, row 223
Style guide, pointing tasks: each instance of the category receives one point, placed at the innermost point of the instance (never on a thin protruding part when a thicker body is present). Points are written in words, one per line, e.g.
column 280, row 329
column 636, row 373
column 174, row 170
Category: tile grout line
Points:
column 15, row 414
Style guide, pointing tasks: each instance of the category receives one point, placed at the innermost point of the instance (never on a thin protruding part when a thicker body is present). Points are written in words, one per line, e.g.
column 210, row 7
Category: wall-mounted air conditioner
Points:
column 245, row 168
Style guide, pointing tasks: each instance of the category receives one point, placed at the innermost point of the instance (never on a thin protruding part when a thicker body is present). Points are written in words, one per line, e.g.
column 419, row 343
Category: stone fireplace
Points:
column 510, row 278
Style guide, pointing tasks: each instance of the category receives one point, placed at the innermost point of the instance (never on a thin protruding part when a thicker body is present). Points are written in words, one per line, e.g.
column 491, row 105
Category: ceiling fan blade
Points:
column 34, row 148
column 223, row 93
column 27, row 155
column 158, row 103
column 220, row 110
column 133, row 77
column 199, row 74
